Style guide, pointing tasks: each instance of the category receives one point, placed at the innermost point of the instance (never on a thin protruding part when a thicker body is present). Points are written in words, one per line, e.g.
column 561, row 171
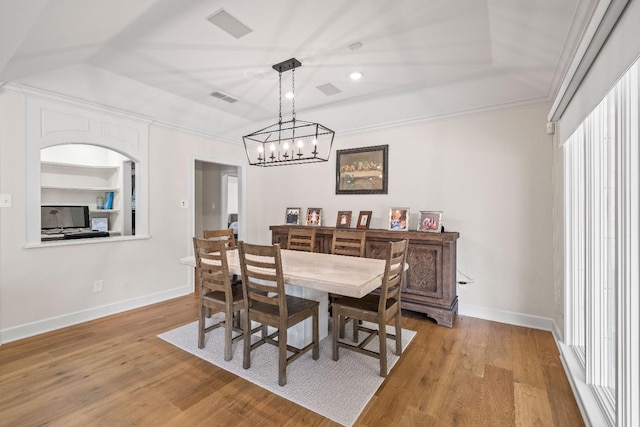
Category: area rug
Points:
column 338, row 390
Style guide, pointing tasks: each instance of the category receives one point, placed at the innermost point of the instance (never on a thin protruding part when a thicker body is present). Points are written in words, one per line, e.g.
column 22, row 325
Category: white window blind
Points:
column 601, row 251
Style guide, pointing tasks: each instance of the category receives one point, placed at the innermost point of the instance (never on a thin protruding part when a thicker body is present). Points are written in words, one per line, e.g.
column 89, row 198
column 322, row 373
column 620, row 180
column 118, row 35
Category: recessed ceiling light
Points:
column 289, row 95
column 356, row 75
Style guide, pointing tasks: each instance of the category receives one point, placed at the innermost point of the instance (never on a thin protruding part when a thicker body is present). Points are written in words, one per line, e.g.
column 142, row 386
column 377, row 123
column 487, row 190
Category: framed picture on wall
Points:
column 314, row 216
column 399, row 219
column 362, row 170
column 430, row 221
column 364, row 219
column 292, row 216
column 344, row 219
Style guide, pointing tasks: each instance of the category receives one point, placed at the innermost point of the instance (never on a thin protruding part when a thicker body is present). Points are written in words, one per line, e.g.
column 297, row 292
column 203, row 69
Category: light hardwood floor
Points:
column 115, row 371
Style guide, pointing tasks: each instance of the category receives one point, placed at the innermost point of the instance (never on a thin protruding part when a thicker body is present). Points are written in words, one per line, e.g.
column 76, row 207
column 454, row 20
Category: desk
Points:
column 314, row 275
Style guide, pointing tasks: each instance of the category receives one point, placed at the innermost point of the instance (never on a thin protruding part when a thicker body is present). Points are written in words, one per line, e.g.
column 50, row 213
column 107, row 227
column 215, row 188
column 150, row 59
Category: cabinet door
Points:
column 279, row 238
column 424, row 276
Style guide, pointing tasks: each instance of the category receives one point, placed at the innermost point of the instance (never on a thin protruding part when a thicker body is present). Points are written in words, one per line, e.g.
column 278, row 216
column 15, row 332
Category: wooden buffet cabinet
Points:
column 430, row 282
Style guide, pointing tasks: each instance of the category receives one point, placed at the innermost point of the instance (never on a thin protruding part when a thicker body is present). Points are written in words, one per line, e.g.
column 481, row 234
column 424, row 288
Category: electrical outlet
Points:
column 97, row 286
column 184, row 203
column 5, row 201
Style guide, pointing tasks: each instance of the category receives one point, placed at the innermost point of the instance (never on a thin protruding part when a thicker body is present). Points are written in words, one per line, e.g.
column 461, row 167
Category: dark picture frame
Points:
column 364, row 219
column 344, row 219
column 292, row 216
column 362, row 170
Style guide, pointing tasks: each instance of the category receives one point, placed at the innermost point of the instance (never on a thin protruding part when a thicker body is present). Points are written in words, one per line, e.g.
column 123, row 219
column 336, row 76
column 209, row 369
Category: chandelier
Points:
column 289, row 142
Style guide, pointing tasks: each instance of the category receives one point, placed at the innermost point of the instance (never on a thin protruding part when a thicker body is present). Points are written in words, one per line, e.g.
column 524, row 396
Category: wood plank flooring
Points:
column 115, row 371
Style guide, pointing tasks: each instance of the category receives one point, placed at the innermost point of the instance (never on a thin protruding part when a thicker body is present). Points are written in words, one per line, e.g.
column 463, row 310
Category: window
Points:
column 601, row 250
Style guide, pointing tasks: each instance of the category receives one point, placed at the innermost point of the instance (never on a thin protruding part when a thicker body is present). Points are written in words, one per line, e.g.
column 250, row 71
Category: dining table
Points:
column 314, row 276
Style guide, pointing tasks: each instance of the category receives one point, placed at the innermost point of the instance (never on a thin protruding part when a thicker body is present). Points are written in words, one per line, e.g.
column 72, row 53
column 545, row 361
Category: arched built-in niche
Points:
column 67, row 142
column 86, row 175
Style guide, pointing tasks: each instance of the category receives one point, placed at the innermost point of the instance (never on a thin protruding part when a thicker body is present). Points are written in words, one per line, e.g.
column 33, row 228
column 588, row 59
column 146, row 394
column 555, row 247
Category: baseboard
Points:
column 592, row 413
column 511, row 318
column 70, row 319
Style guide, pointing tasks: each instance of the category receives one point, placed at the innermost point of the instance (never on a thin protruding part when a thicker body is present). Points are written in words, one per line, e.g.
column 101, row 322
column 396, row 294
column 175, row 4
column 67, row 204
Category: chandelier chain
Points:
column 280, row 97
column 293, row 92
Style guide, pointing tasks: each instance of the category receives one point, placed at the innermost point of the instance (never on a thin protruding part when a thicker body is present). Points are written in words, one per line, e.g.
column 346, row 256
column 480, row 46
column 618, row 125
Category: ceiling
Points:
column 419, row 58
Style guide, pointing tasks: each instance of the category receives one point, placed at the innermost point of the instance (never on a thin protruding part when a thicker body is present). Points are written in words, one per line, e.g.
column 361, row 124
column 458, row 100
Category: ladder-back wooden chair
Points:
column 265, row 302
column 226, row 235
column 217, row 293
column 349, row 243
column 302, row 239
column 375, row 308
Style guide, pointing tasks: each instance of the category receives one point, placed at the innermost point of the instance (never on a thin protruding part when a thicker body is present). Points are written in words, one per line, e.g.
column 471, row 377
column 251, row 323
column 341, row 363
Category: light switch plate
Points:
column 5, row 201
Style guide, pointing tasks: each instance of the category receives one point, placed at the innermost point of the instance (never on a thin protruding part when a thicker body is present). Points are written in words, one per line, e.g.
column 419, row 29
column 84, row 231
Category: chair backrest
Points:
column 350, row 243
column 393, row 273
column 212, row 267
column 262, row 277
column 224, row 234
column 302, row 239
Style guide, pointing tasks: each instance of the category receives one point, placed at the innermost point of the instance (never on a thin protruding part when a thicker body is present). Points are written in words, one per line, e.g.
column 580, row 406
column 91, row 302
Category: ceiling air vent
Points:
column 224, row 97
column 227, row 23
column 328, row 89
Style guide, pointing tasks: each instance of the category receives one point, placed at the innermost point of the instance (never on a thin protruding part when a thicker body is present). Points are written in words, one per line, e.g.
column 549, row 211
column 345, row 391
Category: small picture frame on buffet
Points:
column 344, row 219
column 292, row 216
column 399, row 219
column 314, row 216
column 430, row 221
column 364, row 219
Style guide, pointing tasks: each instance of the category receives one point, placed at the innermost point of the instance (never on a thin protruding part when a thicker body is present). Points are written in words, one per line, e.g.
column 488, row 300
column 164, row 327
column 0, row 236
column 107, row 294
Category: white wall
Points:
column 491, row 175
column 48, row 287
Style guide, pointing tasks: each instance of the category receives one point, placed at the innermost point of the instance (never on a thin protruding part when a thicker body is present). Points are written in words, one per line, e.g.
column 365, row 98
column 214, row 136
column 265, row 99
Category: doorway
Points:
column 216, row 196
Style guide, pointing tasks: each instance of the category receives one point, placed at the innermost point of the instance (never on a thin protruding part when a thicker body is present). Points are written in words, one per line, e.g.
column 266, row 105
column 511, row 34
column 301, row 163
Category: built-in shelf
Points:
column 107, row 211
column 76, row 184
column 79, row 188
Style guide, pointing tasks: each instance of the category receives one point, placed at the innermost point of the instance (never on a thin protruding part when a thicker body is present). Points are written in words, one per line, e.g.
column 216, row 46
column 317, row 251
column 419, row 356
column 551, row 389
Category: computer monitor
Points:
column 55, row 216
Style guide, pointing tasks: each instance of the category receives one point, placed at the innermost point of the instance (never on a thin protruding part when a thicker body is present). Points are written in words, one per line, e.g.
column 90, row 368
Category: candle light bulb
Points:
column 286, row 146
column 261, row 149
column 300, row 143
column 273, row 147
column 315, row 141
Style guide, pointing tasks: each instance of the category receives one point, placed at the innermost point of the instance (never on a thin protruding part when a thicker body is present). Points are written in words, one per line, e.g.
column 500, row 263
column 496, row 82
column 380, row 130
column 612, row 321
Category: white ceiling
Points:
column 419, row 58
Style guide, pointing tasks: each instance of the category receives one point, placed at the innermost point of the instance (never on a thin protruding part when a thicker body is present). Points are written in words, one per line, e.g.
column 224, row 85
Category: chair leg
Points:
column 334, row 338
column 282, row 356
column 382, row 335
column 316, row 336
column 228, row 328
column 201, row 327
column 355, row 330
column 246, row 359
column 398, row 334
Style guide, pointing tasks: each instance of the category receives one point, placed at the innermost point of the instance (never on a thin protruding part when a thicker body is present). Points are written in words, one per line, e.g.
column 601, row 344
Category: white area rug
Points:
column 337, row 390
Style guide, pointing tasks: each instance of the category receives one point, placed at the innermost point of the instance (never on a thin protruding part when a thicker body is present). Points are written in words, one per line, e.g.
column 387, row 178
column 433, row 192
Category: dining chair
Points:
column 349, row 243
column 265, row 302
column 217, row 292
column 377, row 308
column 301, row 239
column 225, row 234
